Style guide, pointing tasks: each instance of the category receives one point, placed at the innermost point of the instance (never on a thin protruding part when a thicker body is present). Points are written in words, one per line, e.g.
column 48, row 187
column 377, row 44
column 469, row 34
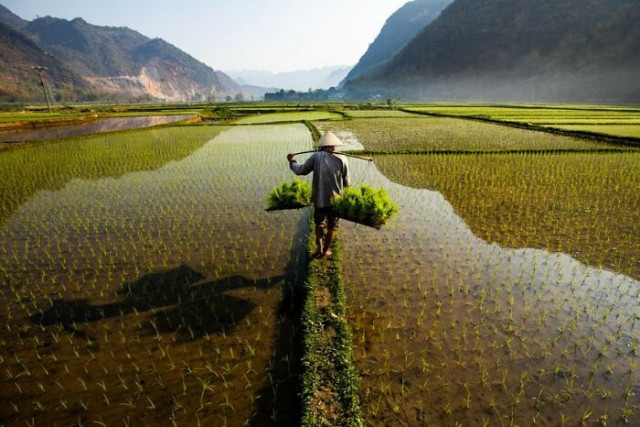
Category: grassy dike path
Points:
column 329, row 380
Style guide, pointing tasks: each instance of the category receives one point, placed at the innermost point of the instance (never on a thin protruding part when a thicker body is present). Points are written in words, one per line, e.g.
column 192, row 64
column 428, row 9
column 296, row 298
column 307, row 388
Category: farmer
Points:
column 330, row 174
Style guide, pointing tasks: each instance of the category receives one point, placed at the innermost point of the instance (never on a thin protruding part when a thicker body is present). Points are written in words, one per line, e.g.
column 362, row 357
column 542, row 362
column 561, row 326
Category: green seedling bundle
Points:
column 365, row 205
column 290, row 195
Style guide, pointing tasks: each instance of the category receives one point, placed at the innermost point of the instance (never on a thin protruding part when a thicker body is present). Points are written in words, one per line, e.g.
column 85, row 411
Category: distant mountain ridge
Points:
column 524, row 50
column 11, row 19
column 300, row 80
column 399, row 29
column 19, row 81
column 121, row 62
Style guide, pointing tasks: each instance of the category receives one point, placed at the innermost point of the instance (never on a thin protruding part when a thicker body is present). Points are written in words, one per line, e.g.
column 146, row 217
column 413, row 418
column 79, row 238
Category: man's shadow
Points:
column 180, row 305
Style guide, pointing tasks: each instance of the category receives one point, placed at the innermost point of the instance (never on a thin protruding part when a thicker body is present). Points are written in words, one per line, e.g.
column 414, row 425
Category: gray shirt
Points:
column 330, row 174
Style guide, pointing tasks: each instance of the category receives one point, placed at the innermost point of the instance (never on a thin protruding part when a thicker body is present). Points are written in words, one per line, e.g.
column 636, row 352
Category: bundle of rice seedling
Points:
column 365, row 205
column 290, row 195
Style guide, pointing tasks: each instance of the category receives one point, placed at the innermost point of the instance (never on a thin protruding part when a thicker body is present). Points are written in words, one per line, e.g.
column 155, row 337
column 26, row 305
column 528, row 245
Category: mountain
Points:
column 335, row 78
column 20, row 81
column 89, row 62
column 397, row 32
column 256, row 92
column 519, row 50
column 302, row 80
column 118, row 59
column 11, row 19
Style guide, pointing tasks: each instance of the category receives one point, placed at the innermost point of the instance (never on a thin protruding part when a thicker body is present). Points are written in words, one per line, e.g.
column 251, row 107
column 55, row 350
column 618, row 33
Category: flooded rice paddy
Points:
column 453, row 330
column 153, row 296
column 107, row 124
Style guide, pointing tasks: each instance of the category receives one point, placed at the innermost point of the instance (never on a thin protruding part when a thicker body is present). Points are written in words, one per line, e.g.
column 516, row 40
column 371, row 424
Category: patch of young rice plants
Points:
column 581, row 120
column 151, row 297
column 30, row 116
column 586, row 205
column 443, row 134
column 451, row 329
column 369, row 114
column 24, row 172
column 614, row 129
column 533, row 113
column 297, row 116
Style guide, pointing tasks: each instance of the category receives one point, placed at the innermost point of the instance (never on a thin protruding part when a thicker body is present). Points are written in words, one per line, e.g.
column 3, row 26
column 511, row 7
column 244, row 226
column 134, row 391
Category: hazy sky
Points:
column 276, row 35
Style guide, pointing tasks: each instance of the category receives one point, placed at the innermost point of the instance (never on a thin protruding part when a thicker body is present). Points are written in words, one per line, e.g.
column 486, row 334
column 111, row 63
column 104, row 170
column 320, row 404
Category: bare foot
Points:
column 327, row 253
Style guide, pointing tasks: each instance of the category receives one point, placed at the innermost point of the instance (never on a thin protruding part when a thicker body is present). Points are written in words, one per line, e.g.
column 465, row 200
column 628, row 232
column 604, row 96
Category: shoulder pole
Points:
column 369, row 159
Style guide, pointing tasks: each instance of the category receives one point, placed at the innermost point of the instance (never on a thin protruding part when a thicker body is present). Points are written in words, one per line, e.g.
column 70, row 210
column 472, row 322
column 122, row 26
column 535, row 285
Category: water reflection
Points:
column 103, row 260
column 451, row 327
column 107, row 124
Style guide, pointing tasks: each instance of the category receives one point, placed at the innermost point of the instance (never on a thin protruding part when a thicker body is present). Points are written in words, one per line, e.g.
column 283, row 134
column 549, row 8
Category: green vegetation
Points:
column 450, row 328
column 148, row 283
column 613, row 121
column 288, row 117
column 368, row 114
column 365, row 205
column 142, row 280
column 50, row 167
column 28, row 116
column 587, row 205
column 528, row 113
column 624, row 130
column 329, row 380
column 443, row 134
column 290, row 195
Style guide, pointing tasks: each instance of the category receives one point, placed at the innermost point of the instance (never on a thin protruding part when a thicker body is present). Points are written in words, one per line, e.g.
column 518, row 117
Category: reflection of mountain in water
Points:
column 108, row 124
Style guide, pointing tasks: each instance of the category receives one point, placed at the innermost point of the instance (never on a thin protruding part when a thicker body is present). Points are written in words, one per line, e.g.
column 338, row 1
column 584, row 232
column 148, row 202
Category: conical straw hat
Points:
column 329, row 139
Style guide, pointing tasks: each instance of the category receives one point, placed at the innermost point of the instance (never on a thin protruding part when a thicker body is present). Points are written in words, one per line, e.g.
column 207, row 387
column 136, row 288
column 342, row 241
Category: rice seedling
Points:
column 142, row 286
column 446, row 134
column 631, row 129
column 557, row 202
column 126, row 274
column 606, row 121
column 368, row 114
column 296, row 116
column 524, row 307
column 536, row 114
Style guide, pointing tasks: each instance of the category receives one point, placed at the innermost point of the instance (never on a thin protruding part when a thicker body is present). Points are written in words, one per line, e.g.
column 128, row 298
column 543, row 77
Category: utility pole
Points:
column 40, row 71
column 187, row 88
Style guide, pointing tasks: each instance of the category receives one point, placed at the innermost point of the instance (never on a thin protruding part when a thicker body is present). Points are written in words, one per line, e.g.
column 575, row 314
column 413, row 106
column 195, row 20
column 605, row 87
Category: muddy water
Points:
column 451, row 330
column 109, row 124
column 153, row 297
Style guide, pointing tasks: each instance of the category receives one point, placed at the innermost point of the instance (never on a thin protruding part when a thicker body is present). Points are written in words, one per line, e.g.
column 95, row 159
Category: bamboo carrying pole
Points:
column 369, row 159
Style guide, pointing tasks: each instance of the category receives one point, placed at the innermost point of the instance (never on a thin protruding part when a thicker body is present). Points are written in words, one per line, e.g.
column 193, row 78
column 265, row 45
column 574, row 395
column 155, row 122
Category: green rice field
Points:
column 444, row 134
column 456, row 323
column 145, row 293
column 142, row 282
column 362, row 114
column 631, row 130
column 287, row 117
column 614, row 121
